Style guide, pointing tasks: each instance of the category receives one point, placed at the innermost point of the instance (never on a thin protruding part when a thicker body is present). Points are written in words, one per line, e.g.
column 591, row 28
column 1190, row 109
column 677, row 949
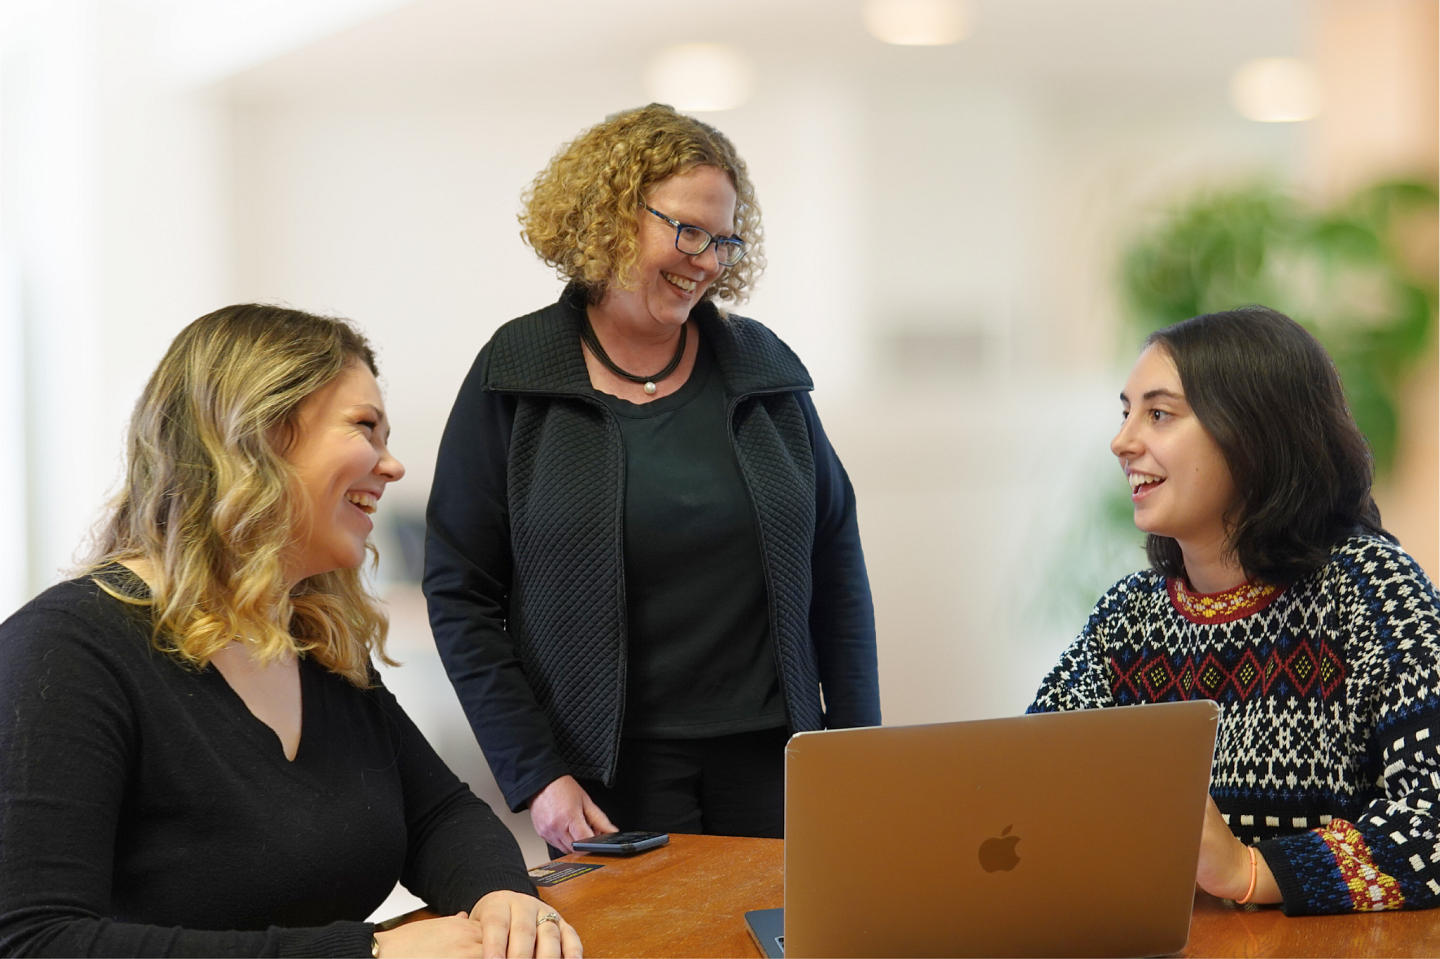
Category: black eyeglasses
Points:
column 692, row 241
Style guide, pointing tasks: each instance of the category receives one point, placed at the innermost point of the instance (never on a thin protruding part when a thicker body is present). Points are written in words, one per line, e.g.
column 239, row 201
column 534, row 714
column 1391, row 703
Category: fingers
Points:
column 494, row 929
column 560, row 840
column 570, row 947
column 510, row 925
column 595, row 816
column 446, row 936
column 554, row 829
column 580, row 829
column 547, row 939
column 556, row 938
column 522, row 932
column 496, row 914
column 559, row 813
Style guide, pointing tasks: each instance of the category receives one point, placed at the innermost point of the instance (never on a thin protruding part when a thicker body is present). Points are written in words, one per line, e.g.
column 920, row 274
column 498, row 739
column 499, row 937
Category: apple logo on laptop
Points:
column 999, row 852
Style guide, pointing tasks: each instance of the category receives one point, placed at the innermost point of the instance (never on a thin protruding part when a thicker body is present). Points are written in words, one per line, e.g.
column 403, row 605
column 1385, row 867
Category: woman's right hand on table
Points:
column 563, row 812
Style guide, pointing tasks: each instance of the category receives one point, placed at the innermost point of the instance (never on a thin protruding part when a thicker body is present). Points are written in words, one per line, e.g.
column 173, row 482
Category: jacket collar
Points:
column 540, row 353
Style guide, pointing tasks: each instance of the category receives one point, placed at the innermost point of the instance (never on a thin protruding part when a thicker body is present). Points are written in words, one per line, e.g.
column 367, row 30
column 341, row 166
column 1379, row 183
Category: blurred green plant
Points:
column 1348, row 273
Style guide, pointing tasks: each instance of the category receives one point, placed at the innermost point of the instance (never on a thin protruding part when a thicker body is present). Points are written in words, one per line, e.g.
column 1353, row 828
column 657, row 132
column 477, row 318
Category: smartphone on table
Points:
column 621, row 843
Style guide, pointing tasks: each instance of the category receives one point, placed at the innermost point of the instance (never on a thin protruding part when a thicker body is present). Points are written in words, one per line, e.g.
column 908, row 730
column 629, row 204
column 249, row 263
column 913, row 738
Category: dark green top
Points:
column 700, row 661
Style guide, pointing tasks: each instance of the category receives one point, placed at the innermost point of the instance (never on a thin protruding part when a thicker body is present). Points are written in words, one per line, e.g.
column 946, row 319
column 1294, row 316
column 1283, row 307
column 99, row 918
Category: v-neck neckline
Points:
column 259, row 732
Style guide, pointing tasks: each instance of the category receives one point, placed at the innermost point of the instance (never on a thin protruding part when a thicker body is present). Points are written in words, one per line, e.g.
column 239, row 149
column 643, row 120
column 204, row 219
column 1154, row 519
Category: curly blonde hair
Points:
column 581, row 213
column 209, row 499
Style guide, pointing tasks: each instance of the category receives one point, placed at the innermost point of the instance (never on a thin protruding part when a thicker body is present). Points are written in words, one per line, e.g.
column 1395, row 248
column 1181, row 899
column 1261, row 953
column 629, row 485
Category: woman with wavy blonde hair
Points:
column 643, row 563
column 208, row 488
column 196, row 755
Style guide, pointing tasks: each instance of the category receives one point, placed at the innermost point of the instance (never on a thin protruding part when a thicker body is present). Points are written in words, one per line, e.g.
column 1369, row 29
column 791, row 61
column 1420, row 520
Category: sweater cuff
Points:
column 1305, row 871
column 492, row 881
column 341, row 939
column 518, row 796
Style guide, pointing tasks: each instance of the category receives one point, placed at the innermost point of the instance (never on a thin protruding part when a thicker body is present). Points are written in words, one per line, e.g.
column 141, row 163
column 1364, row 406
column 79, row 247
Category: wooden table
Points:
column 690, row 898
column 1218, row 927
column 686, row 899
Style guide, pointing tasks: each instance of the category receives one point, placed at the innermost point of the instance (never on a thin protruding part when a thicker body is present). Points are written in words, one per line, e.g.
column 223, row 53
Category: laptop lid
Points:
column 1071, row 834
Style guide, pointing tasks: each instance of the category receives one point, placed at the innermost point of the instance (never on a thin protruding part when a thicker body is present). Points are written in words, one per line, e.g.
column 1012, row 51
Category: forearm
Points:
column 1361, row 866
column 842, row 627
column 457, row 849
column 463, row 854
column 62, row 934
column 513, row 731
column 1385, row 855
column 842, row 612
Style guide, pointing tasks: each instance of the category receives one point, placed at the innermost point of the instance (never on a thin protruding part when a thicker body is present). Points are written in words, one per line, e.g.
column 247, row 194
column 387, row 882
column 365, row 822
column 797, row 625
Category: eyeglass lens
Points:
column 691, row 240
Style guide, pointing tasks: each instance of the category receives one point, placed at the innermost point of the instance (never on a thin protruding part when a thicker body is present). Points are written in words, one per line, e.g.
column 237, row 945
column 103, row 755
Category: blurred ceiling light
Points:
column 917, row 23
column 698, row 77
column 1276, row 90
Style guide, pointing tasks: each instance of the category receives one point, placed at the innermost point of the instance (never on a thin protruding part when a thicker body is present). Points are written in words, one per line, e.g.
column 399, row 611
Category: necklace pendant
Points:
column 650, row 389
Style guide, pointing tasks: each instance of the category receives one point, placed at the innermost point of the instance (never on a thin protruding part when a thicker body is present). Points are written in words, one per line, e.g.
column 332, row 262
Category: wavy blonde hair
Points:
column 582, row 212
column 209, row 499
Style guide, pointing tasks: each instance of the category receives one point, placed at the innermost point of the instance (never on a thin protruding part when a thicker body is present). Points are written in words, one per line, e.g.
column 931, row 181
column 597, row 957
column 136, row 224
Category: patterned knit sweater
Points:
column 1328, row 755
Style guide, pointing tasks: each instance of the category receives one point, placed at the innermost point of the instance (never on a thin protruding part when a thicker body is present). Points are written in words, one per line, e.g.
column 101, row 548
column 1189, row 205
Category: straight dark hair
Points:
column 1269, row 394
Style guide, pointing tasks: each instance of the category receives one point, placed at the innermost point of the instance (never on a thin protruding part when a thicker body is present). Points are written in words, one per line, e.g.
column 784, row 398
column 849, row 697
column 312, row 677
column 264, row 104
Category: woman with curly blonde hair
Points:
column 196, row 755
column 643, row 563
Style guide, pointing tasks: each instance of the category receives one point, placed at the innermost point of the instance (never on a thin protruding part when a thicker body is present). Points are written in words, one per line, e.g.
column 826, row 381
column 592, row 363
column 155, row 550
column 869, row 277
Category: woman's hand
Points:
column 449, row 936
column 1224, row 869
column 510, row 921
column 563, row 812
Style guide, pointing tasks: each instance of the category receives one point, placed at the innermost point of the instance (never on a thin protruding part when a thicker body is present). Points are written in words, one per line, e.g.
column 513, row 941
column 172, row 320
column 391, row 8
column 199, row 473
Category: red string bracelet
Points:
column 1254, row 867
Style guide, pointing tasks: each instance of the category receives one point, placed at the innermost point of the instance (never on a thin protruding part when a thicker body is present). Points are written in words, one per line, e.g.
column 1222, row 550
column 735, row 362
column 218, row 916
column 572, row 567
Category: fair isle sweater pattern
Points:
column 1328, row 757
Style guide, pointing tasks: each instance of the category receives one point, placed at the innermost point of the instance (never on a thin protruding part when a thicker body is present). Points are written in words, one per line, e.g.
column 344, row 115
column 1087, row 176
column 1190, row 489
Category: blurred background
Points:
column 974, row 212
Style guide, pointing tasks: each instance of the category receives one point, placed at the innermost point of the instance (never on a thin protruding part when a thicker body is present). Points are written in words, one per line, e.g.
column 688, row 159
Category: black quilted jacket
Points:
column 524, row 569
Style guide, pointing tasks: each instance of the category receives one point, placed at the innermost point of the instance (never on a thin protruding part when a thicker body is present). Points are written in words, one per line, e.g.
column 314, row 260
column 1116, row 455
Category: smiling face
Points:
column 341, row 466
column 669, row 283
column 1179, row 481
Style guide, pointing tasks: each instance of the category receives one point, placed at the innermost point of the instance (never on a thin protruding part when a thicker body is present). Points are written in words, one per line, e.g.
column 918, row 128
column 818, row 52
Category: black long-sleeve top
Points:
column 698, row 657
column 145, row 811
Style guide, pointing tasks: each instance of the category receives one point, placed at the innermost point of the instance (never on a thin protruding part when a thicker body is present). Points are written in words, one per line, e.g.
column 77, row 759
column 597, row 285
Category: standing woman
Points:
column 196, row 756
column 1275, row 592
column 642, row 561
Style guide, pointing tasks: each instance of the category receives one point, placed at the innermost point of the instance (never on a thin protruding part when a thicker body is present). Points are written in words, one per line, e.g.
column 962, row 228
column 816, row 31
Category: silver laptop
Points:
column 1073, row 834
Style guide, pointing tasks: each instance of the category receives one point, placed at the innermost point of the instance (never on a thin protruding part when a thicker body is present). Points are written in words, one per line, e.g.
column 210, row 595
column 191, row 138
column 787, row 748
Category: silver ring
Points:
column 548, row 917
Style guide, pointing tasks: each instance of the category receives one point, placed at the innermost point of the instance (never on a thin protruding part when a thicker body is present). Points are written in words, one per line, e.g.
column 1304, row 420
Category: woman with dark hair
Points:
column 197, row 757
column 1275, row 592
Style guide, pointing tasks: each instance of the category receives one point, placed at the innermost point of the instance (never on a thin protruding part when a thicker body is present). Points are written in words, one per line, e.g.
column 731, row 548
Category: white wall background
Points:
column 942, row 227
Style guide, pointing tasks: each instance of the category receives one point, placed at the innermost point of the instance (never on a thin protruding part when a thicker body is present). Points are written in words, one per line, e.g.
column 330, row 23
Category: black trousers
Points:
column 723, row 785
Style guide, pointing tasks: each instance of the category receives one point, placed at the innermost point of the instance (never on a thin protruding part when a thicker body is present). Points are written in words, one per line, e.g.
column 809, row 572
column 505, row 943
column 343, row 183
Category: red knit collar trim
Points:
column 1209, row 609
